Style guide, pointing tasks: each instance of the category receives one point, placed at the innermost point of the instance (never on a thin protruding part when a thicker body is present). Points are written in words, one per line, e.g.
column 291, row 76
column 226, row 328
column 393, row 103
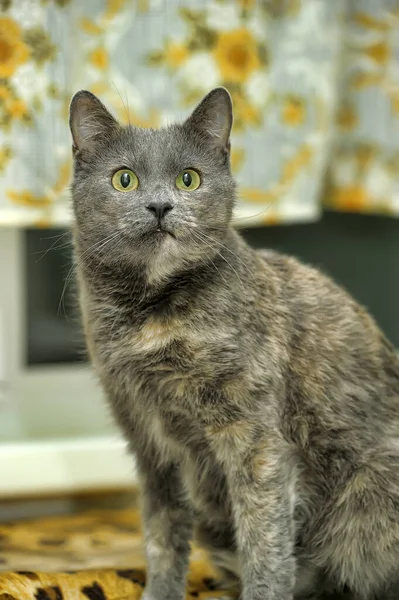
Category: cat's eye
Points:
column 125, row 180
column 188, row 180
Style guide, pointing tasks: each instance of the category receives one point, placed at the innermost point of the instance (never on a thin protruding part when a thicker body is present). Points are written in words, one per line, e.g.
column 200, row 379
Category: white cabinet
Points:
column 56, row 434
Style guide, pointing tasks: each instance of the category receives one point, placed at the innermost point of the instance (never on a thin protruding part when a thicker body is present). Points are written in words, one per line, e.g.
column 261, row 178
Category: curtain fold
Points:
column 314, row 84
column 364, row 169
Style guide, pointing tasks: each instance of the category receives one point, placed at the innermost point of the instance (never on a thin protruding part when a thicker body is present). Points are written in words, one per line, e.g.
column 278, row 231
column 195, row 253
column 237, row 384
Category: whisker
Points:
column 221, row 256
column 262, row 212
column 52, row 247
column 85, row 256
column 123, row 103
column 215, row 266
column 128, row 108
column 59, row 236
column 219, row 243
column 118, row 238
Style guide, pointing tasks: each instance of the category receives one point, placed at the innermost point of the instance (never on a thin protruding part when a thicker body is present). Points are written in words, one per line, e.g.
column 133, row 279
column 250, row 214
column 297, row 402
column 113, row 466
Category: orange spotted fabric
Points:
column 96, row 555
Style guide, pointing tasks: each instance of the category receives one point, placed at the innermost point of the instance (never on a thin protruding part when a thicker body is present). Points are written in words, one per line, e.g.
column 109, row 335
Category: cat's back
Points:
column 342, row 376
column 319, row 312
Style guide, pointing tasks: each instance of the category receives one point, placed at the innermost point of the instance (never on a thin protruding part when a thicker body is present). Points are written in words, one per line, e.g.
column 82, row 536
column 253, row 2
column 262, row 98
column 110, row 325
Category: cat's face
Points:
column 162, row 198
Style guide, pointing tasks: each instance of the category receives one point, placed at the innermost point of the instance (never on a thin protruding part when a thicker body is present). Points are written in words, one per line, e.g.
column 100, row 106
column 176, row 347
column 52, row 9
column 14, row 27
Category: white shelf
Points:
column 65, row 466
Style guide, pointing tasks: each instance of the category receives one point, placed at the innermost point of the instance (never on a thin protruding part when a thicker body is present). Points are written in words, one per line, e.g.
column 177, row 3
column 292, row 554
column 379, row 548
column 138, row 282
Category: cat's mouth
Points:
column 161, row 231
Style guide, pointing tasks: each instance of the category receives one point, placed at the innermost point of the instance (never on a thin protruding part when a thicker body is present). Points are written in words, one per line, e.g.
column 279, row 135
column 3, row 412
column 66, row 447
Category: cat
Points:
column 260, row 400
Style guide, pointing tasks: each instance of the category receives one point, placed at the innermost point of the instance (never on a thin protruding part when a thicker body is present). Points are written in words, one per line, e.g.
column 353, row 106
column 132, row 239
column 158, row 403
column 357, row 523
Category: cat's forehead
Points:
column 163, row 147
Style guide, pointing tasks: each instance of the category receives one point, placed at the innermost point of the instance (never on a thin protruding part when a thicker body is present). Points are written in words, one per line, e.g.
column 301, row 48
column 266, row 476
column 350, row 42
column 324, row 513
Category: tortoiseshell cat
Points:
column 260, row 400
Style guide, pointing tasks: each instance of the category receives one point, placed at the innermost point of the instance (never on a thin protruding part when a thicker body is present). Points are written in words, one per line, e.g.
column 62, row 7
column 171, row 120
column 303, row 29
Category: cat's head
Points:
column 161, row 198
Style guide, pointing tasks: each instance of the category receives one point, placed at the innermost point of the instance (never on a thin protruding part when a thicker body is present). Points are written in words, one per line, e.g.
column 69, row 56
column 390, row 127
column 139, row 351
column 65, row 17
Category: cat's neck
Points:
column 127, row 283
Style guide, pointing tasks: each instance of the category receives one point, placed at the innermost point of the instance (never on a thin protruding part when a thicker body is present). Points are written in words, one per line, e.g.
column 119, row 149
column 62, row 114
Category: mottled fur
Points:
column 260, row 400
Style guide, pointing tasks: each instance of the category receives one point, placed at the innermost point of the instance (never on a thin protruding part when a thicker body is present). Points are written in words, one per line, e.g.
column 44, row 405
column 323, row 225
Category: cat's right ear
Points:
column 213, row 119
column 89, row 121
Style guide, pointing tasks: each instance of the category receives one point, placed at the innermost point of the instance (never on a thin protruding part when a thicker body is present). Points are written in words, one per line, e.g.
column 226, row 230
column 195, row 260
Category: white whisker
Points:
column 200, row 235
column 84, row 257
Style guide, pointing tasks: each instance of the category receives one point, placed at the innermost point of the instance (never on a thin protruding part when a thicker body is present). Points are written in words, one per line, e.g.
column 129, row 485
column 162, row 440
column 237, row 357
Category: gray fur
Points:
column 261, row 401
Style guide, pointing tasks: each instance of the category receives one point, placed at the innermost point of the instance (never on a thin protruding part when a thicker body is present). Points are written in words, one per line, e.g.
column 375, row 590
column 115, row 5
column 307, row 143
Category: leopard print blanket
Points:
column 96, row 555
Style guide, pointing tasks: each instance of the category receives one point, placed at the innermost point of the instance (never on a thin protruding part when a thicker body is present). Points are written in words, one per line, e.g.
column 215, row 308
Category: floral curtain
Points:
column 315, row 85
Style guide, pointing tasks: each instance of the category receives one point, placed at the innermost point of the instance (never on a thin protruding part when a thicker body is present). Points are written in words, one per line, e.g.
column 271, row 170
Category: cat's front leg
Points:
column 259, row 476
column 167, row 530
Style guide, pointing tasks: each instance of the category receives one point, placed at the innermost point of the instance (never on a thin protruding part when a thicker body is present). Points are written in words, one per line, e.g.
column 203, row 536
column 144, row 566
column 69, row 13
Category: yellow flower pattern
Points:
column 99, row 58
column 293, row 112
column 13, row 51
column 5, row 156
column 363, row 175
column 232, row 44
column 151, row 61
column 17, row 109
column 236, row 54
column 175, row 55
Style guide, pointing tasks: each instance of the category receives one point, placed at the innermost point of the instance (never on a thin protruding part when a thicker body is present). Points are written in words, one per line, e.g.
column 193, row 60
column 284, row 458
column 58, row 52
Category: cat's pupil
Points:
column 187, row 179
column 125, row 180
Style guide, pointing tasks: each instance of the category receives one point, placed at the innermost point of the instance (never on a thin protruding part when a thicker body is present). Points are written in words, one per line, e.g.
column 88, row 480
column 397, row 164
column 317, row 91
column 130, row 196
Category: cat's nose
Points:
column 159, row 208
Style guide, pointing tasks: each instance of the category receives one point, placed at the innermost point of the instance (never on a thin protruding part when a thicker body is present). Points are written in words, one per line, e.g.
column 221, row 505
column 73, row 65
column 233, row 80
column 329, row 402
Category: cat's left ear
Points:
column 89, row 121
column 213, row 119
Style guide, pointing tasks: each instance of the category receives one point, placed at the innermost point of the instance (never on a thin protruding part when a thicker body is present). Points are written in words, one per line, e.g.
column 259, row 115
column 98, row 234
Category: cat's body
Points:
column 261, row 402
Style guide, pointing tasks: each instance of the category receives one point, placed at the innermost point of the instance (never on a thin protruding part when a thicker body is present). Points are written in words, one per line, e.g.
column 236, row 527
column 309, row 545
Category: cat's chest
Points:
column 176, row 365
column 174, row 348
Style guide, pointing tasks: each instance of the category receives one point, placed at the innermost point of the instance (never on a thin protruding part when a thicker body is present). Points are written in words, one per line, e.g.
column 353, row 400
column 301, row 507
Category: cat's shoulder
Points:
column 305, row 285
column 289, row 268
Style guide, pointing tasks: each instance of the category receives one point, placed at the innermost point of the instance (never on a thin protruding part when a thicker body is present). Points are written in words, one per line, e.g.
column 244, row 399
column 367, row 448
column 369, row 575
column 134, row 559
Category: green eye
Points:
column 188, row 180
column 125, row 180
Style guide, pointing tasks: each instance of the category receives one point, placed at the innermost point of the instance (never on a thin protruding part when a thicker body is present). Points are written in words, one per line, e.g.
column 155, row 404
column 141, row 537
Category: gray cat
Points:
column 260, row 400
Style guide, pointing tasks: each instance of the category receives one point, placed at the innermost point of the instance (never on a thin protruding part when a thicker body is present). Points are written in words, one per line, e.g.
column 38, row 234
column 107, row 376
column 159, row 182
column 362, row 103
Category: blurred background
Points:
column 315, row 149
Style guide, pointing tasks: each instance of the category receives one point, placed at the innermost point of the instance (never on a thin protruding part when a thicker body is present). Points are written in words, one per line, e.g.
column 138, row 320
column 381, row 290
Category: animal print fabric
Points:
column 95, row 555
